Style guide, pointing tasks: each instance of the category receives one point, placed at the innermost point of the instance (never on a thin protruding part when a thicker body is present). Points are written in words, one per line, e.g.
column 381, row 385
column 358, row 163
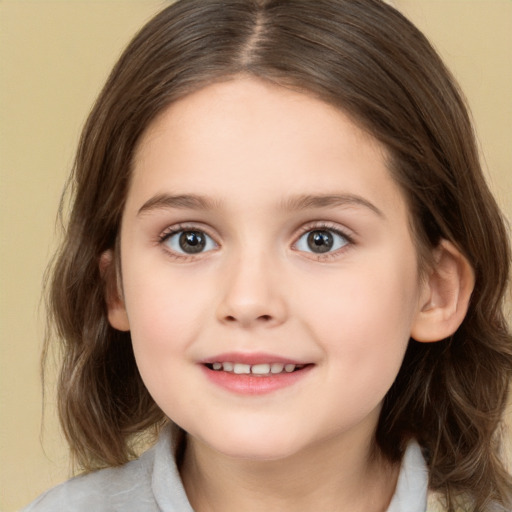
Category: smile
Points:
column 261, row 369
column 254, row 374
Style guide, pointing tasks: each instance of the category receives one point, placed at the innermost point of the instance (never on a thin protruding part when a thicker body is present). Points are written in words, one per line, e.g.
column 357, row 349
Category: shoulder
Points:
column 105, row 490
column 149, row 484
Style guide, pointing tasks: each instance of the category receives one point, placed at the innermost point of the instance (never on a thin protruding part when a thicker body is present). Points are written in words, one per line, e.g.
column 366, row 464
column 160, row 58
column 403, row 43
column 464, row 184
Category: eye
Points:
column 320, row 241
column 189, row 241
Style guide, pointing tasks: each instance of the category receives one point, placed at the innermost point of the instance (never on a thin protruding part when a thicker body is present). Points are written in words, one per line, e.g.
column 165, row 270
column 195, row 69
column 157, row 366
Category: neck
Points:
column 333, row 475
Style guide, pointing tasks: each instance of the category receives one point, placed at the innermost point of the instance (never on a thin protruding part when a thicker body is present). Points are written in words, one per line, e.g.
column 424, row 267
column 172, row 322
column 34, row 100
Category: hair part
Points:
column 365, row 58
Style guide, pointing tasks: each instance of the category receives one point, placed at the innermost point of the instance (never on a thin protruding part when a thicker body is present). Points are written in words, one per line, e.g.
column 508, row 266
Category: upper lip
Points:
column 250, row 358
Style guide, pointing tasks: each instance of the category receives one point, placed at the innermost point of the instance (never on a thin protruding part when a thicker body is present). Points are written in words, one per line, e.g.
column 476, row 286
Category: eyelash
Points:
column 331, row 228
column 171, row 231
column 174, row 230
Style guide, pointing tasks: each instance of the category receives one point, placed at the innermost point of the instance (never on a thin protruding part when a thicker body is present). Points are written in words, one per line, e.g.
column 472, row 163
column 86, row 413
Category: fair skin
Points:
column 261, row 228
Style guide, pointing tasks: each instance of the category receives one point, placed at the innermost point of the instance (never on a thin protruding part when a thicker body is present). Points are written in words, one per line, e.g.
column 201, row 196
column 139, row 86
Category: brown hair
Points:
column 367, row 59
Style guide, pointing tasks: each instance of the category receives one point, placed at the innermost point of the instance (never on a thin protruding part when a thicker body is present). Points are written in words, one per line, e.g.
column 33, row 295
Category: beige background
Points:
column 54, row 57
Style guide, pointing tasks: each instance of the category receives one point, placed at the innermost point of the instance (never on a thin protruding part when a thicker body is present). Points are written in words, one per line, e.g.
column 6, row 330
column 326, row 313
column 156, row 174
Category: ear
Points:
column 445, row 296
column 117, row 315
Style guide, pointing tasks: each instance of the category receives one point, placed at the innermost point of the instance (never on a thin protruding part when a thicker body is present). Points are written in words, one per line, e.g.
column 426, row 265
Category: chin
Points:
column 261, row 446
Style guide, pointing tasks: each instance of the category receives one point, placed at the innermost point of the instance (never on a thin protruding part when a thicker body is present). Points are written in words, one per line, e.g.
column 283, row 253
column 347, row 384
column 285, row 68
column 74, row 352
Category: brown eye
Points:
column 190, row 241
column 320, row 241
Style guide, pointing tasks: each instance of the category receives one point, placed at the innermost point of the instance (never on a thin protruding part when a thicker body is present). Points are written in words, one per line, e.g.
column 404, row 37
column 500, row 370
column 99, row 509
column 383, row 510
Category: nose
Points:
column 252, row 293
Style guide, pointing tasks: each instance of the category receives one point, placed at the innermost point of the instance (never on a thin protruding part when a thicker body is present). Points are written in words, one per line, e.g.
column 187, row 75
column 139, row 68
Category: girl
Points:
column 283, row 258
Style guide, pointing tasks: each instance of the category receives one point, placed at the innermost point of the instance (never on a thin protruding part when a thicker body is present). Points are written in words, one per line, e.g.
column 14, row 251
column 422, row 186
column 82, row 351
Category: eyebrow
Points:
column 183, row 201
column 304, row 202
column 301, row 202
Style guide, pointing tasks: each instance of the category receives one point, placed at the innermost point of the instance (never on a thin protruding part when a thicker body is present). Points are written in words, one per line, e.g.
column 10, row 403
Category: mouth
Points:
column 258, row 370
column 254, row 374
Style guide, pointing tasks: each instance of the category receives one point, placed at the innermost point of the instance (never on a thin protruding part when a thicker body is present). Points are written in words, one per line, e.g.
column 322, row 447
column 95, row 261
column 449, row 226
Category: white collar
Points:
column 412, row 486
column 410, row 494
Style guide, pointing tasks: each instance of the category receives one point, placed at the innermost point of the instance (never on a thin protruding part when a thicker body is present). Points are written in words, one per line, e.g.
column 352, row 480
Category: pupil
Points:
column 192, row 241
column 320, row 241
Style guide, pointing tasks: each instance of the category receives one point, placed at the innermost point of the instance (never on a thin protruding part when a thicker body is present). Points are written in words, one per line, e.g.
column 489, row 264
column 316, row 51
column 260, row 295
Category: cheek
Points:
column 363, row 318
column 164, row 313
column 164, row 322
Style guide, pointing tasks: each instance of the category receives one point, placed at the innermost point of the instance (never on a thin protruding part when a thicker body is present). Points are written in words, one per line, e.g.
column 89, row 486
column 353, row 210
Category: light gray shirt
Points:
column 152, row 484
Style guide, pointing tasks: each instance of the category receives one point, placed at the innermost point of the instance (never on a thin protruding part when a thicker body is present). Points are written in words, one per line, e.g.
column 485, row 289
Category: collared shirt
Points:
column 152, row 484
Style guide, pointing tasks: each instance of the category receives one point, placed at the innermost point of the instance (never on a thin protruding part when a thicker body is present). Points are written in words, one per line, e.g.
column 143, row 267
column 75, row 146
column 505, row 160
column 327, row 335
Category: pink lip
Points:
column 248, row 384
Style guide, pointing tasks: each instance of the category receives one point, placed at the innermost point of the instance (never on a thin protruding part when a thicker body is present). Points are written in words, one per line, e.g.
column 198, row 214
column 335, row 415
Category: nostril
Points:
column 263, row 318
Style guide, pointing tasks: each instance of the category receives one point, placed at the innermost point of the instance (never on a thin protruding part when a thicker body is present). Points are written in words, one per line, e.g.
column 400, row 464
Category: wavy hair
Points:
column 363, row 57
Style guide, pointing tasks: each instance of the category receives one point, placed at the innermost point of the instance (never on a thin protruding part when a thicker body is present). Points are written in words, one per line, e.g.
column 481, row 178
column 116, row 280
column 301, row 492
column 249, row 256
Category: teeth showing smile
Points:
column 255, row 369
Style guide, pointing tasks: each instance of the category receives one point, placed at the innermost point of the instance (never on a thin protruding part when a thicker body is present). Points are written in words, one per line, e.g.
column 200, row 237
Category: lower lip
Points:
column 247, row 384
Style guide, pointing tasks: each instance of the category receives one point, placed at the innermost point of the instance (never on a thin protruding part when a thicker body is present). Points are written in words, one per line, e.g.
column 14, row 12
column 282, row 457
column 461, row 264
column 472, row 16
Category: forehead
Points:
column 247, row 136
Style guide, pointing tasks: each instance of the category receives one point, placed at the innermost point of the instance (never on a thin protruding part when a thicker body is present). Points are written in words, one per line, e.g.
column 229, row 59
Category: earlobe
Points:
column 117, row 315
column 446, row 295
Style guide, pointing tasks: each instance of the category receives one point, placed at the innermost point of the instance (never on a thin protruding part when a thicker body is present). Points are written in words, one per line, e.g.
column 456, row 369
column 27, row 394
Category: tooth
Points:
column 227, row 367
column 276, row 367
column 289, row 368
column 241, row 368
column 260, row 369
column 217, row 366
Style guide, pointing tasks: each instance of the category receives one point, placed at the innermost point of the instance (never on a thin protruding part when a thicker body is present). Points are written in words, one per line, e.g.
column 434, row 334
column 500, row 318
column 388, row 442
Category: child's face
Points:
column 262, row 227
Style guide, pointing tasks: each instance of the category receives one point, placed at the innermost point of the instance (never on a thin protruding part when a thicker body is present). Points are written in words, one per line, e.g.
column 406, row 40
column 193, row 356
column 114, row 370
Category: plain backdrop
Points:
column 54, row 57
